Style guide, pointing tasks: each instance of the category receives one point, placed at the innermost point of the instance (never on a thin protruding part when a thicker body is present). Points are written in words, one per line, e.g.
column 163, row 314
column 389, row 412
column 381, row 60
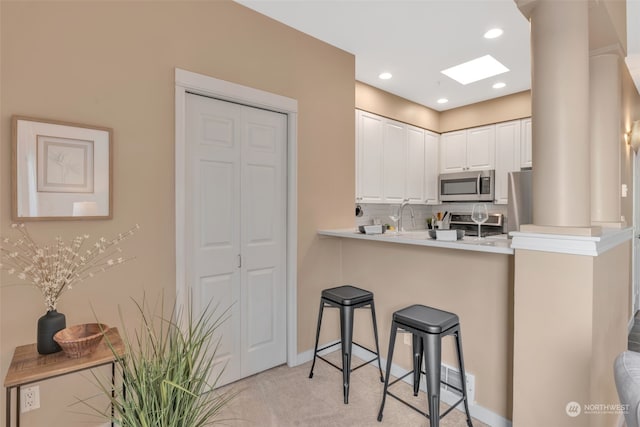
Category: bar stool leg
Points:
column 375, row 335
column 432, row 353
column 346, row 330
column 463, row 376
column 392, row 341
column 315, row 350
column 418, row 350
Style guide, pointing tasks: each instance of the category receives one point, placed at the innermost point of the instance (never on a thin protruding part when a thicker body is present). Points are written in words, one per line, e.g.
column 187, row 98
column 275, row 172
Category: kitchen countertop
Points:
column 492, row 244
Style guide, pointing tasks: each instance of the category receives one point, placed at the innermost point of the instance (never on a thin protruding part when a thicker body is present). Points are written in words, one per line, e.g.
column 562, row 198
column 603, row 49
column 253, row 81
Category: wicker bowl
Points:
column 80, row 340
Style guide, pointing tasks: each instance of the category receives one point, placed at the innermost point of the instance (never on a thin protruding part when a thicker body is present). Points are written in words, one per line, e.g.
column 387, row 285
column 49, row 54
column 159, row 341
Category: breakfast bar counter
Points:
column 491, row 244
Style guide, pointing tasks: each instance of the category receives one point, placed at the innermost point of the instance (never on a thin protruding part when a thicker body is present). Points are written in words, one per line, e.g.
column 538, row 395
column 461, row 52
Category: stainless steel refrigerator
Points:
column 520, row 206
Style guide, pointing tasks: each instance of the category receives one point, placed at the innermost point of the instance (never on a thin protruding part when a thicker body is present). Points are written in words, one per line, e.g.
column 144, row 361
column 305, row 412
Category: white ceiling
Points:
column 415, row 40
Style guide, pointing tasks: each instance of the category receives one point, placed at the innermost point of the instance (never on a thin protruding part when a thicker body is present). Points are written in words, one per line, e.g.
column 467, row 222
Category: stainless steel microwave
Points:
column 475, row 186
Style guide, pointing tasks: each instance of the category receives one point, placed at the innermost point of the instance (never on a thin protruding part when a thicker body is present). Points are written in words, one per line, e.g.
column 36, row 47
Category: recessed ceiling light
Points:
column 385, row 76
column 499, row 85
column 475, row 70
column 493, row 33
column 442, row 101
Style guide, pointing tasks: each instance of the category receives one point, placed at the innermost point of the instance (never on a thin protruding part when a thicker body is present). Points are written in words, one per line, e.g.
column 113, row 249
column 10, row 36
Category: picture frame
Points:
column 61, row 170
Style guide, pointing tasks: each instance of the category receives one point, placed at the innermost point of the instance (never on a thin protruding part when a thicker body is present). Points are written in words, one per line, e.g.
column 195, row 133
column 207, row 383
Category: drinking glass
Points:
column 479, row 215
column 394, row 215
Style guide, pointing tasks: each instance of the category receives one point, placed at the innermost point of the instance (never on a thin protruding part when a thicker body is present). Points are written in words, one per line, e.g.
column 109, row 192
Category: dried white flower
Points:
column 56, row 268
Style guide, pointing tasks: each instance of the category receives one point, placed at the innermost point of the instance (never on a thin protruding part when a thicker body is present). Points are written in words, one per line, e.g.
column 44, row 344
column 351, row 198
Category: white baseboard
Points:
column 479, row 412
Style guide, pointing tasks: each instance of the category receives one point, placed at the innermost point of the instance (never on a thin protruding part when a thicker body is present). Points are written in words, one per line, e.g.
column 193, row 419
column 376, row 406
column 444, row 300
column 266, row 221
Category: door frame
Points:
column 190, row 82
column 635, row 264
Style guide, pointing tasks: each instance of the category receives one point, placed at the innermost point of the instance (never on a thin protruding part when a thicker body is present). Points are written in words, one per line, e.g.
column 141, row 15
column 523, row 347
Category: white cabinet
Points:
column 507, row 157
column 526, row 157
column 470, row 149
column 431, row 145
column 481, row 148
column 369, row 157
column 394, row 161
column 453, row 151
column 415, row 170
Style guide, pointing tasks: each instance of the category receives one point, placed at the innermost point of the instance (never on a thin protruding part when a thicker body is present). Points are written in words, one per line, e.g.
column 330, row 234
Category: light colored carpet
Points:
column 284, row 396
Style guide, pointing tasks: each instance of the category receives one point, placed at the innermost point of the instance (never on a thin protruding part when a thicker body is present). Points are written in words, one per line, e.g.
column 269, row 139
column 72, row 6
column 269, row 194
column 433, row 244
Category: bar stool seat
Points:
column 428, row 326
column 347, row 295
column 426, row 319
column 346, row 298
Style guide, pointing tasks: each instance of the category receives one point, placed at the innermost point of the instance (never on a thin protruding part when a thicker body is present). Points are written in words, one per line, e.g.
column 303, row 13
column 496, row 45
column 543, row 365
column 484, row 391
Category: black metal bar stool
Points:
column 428, row 326
column 346, row 298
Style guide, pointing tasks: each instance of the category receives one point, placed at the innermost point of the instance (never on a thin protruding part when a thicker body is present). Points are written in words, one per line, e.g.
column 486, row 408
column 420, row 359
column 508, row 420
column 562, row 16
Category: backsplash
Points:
column 381, row 212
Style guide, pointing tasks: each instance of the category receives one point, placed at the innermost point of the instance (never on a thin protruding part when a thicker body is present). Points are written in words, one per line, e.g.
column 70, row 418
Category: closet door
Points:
column 236, row 202
column 263, row 213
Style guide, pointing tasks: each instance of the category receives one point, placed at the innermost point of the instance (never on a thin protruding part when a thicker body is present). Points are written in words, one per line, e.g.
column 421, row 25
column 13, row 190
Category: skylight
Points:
column 475, row 70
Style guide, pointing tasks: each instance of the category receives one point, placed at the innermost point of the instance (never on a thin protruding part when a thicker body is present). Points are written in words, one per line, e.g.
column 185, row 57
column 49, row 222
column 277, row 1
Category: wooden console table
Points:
column 27, row 366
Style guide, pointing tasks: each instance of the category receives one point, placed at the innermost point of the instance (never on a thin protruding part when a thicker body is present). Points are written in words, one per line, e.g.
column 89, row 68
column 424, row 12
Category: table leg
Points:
column 8, row 403
column 18, row 406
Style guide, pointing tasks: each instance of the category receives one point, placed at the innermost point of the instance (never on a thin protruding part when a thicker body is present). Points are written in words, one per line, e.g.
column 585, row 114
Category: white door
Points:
column 526, row 158
column 236, row 201
column 415, row 169
column 431, row 142
column 507, row 157
column 370, row 156
column 394, row 161
column 453, row 151
column 481, row 151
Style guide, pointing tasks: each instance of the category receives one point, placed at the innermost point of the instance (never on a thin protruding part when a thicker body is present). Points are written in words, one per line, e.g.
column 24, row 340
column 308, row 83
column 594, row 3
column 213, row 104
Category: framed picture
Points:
column 60, row 170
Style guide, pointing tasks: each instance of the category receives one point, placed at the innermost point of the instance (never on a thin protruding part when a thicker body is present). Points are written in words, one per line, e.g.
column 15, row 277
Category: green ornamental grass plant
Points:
column 168, row 371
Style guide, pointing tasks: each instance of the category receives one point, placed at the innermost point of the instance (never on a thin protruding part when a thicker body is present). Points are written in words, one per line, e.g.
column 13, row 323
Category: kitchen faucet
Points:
column 405, row 202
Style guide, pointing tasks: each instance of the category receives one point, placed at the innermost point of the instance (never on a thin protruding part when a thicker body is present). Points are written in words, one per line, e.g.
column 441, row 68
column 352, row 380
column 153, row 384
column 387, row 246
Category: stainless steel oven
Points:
column 477, row 186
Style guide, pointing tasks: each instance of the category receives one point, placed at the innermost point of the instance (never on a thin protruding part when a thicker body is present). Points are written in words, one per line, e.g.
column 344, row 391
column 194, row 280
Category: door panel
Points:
column 370, row 158
column 219, row 292
column 415, row 171
column 394, row 162
column 263, row 244
column 481, row 151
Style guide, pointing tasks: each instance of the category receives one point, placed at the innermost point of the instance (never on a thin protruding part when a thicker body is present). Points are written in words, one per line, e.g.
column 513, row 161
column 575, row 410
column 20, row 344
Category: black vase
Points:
column 48, row 325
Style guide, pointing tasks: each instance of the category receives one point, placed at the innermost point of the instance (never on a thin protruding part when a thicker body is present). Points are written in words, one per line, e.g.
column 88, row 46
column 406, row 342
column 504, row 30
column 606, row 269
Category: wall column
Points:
column 560, row 108
column 604, row 125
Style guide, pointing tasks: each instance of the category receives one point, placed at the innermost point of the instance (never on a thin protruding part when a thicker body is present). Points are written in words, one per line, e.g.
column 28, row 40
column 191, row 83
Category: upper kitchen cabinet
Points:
column 468, row 150
column 394, row 161
column 508, row 135
column 453, row 151
column 431, row 146
column 526, row 157
column 369, row 157
column 415, row 173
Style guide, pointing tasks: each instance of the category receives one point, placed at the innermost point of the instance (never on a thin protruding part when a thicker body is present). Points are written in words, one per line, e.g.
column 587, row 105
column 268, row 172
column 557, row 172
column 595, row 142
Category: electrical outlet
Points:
column 29, row 398
column 407, row 339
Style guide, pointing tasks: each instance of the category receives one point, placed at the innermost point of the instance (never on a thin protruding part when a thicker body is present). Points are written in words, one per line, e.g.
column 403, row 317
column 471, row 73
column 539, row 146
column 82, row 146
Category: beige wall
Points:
column 569, row 327
column 476, row 286
column 611, row 278
column 509, row 107
column 553, row 337
column 505, row 108
column 373, row 100
column 112, row 64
